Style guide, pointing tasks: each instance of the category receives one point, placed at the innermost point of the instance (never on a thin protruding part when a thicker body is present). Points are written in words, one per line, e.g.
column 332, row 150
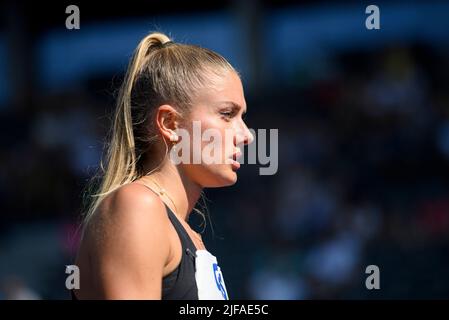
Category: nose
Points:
column 244, row 135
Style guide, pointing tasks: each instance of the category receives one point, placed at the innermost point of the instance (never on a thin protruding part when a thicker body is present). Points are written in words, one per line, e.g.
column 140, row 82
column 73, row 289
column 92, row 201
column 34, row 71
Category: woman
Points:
column 137, row 243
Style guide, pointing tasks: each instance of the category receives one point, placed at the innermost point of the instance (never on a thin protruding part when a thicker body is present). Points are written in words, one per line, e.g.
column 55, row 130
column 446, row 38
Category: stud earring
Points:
column 174, row 137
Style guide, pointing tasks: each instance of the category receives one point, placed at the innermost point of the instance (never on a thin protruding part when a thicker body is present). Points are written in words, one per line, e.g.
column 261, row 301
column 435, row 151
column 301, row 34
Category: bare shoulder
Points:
column 128, row 245
column 135, row 195
column 131, row 203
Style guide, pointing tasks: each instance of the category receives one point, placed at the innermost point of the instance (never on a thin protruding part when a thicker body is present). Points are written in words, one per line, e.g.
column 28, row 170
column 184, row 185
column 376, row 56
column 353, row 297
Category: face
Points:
column 217, row 115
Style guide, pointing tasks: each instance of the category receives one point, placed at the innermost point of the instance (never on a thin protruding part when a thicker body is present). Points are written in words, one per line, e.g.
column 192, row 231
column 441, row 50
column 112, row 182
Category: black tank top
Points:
column 180, row 284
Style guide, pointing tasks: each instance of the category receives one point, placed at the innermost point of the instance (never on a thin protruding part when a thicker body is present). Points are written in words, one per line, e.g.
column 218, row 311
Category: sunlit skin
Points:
column 221, row 109
column 130, row 244
column 217, row 108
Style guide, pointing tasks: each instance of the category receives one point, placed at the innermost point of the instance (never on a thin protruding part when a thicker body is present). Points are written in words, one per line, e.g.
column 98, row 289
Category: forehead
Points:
column 227, row 88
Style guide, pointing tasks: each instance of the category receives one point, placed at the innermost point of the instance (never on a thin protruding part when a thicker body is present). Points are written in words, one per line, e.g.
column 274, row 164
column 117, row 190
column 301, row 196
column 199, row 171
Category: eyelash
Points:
column 228, row 114
column 231, row 114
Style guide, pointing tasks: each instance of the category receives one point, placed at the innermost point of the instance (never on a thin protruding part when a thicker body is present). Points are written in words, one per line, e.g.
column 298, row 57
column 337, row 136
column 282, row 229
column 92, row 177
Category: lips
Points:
column 236, row 155
column 235, row 164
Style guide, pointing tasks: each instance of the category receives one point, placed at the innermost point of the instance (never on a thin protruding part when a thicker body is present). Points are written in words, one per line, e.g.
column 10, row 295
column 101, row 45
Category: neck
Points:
column 182, row 190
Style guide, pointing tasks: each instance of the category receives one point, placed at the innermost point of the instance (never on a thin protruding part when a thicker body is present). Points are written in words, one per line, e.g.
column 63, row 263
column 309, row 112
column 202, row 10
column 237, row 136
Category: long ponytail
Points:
column 121, row 156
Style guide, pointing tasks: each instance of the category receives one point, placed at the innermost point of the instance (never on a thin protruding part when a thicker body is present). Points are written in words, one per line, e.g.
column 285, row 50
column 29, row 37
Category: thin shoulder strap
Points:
column 178, row 226
column 166, row 207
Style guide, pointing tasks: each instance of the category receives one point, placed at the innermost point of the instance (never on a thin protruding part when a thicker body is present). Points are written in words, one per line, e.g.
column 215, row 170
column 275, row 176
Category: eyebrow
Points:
column 232, row 103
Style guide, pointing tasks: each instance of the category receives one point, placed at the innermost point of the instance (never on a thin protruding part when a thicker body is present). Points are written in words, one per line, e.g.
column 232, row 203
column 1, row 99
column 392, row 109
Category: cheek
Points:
column 213, row 171
column 218, row 141
column 211, row 139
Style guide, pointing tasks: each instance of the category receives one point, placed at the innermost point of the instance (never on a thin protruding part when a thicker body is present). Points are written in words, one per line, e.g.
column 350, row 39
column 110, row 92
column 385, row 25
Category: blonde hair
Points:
column 160, row 71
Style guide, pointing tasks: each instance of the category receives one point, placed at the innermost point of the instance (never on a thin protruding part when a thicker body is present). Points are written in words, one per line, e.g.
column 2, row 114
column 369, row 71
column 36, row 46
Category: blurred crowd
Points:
column 363, row 180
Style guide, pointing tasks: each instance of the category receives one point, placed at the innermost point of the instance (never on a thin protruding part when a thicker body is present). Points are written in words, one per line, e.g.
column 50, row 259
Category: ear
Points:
column 167, row 120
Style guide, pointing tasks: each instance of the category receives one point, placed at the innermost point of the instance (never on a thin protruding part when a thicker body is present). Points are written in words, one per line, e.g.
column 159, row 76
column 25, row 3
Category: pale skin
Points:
column 130, row 244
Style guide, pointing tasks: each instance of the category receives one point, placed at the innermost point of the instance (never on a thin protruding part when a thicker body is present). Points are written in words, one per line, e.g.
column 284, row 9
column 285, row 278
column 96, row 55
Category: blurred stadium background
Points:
column 363, row 119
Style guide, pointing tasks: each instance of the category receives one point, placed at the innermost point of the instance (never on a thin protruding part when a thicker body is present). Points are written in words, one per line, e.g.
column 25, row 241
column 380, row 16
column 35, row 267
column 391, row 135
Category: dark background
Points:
column 363, row 120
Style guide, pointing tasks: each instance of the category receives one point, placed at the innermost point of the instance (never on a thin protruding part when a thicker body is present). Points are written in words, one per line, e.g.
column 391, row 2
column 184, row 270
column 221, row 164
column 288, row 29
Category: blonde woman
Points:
column 136, row 242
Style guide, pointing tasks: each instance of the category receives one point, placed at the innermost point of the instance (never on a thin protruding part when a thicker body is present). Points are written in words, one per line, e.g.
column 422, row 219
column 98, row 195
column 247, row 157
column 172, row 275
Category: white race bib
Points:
column 209, row 278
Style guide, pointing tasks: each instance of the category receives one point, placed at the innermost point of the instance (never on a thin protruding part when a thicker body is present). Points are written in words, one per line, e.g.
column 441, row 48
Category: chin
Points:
column 230, row 179
column 221, row 178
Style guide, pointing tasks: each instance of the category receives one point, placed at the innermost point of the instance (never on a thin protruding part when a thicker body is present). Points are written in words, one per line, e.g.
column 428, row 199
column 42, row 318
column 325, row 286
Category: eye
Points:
column 227, row 114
